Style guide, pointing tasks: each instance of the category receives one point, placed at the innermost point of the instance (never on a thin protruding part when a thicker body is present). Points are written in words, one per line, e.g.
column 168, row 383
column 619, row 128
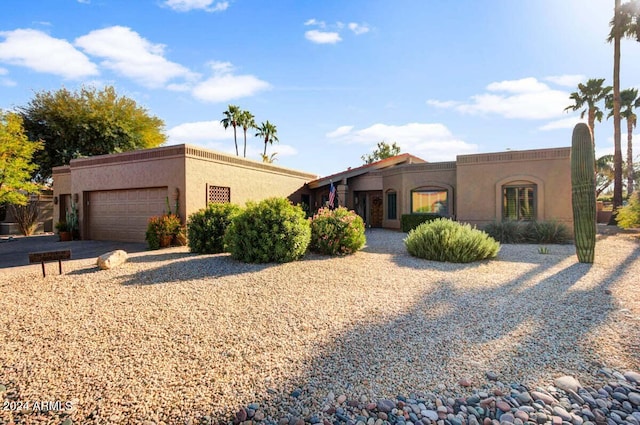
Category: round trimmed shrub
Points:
column 337, row 232
column 447, row 240
column 206, row 228
column 272, row 230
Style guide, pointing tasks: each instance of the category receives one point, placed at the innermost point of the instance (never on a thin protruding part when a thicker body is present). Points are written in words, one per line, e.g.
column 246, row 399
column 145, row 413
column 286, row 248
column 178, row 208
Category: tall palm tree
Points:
column 588, row 96
column 625, row 23
column 267, row 132
column 246, row 121
column 628, row 101
column 231, row 119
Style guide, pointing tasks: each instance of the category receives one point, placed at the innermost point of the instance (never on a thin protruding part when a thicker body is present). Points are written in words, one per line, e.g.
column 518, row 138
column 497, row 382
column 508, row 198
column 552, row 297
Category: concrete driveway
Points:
column 14, row 251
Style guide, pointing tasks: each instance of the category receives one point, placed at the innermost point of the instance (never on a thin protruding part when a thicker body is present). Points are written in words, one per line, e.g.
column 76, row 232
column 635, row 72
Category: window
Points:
column 432, row 201
column 392, row 208
column 218, row 195
column 518, row 203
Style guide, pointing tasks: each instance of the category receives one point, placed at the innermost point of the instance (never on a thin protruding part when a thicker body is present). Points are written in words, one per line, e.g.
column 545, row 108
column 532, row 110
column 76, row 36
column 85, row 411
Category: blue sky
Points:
column 335, row 76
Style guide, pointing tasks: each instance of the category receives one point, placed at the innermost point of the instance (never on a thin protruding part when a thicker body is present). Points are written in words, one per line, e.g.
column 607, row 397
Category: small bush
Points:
column 629, row 215
column 337, row 232
column 546, row 232
column 161, row 230
column 206, row 228
column 506, row 231
column 528, row 232
column 411, row 221
column 447, row 240
column 273, row 230
column 26, row 216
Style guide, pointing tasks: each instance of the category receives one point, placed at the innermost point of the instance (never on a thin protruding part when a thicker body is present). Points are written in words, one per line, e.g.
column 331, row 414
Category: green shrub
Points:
column 528, row 232
column 507, row 231
column 206, row 228
column 337, row 232
column 629, row 215
column 546, row 232
column 161, row 230
column 411, row 221
column 272, row 230
column 447, row 240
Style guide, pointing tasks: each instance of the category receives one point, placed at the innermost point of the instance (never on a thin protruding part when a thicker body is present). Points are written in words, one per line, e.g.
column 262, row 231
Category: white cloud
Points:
column 322, row 37
column 567, row 80
column 223, row 85
column 358, row 28
column 84, row 1
column 206, row 5
column 562, row 123
column 340, row 131
column 127, row 53
column 196, row 132
column 526, row 98
column 432, row 142
column 7, row 82
column 524, row 85
column 40, row 52
column 314, row 21
column 3, row 71
column 448, row 104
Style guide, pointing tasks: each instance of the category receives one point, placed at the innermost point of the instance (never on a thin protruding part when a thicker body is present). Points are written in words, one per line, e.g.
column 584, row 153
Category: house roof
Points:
column 393, row 161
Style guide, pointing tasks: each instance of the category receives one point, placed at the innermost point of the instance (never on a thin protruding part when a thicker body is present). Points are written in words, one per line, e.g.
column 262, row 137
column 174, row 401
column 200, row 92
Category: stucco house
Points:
column 116, row 194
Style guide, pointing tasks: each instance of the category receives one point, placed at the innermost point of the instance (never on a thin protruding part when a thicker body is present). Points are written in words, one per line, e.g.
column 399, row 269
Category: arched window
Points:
column 392, row 205
column 433, row 200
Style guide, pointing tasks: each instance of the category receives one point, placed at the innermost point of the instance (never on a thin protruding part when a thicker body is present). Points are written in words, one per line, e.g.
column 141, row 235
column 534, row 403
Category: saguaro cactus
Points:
column 583, row 192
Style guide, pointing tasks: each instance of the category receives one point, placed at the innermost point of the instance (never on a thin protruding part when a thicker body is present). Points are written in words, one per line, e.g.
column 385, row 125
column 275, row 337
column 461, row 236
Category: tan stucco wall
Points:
column 405, row 178
column 480, row 179
column 249, row 180
column 61, row 186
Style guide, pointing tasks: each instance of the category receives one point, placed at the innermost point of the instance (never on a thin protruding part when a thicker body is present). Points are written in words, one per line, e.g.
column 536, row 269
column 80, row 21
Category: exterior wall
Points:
column 405, row 178
column 249, row 180
column 61, row 187
column 480, row 179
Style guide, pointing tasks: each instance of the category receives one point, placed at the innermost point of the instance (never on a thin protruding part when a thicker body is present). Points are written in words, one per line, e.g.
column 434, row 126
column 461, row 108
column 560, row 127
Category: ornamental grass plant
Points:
column 450, row 241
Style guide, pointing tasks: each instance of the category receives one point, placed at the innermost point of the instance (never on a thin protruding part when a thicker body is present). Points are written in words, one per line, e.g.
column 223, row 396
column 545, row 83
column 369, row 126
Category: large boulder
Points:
column 111, row 259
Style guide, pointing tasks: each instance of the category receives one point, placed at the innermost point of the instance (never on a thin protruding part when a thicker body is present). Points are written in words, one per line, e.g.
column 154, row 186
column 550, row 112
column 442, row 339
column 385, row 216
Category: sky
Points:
column 439, row 78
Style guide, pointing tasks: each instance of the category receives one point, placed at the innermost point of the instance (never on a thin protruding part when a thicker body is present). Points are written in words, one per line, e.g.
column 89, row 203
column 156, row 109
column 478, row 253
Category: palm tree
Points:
column 269, row 158
column 588, row 96
column 231, row 119
column 625, row 23
column 604, row 173
column 267, row 131
column 246, row 121
column 628, row 101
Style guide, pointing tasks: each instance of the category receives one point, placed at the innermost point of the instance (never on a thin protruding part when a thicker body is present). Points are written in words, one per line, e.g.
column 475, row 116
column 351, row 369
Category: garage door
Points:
column 122, row 215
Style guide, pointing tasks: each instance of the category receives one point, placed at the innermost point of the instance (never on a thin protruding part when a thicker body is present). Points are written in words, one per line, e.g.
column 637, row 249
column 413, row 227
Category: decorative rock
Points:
column 560, row 411
column 542, row 396
column 492, row 376
column 111, row 259
column 341, row 399
column 259, row 415
column 385, row 406
column 632, row 377
column 504, row 406
column 241, row 416
column 567, row 383
column 634, row 398
column 430, row 414
column 465, row 382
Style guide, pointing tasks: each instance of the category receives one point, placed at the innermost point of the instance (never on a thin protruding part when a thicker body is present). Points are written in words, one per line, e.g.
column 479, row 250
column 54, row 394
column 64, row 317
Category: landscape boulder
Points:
column 111, row 259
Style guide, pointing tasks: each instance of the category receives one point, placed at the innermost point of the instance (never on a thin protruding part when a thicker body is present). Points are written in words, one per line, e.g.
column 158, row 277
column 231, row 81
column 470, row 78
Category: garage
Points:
column 122, row 215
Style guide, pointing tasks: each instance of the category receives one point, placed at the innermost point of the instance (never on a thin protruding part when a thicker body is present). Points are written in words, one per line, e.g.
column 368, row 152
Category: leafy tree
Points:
column 604, row 173
column 267, row 132
column 16, row 153
column 384, row 150
column 231, row 116
column 625, row 23
column 246, row 121
column 84, row 123
column 588, row 96
column 629, row 100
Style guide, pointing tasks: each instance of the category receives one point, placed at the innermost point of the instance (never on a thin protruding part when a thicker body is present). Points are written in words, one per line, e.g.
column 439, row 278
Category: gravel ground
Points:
column 174, row 337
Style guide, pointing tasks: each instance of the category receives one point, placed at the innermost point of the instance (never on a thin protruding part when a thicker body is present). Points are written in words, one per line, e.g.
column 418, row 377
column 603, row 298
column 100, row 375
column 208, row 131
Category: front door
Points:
column 376, row 211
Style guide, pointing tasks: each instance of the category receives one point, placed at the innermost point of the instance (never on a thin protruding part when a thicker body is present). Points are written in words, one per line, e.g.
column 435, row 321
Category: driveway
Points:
column 14, row 251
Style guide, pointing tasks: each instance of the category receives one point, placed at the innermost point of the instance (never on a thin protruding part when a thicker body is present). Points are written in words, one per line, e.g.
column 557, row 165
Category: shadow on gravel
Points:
column 191, row 267
column 530, row 329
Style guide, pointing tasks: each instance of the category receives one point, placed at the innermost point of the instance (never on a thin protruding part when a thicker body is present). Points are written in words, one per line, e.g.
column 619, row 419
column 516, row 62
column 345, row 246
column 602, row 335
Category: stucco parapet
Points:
column 63, row 169
column 131, row 156
column 420, row 168
column 213, row 156
column 512, row 156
